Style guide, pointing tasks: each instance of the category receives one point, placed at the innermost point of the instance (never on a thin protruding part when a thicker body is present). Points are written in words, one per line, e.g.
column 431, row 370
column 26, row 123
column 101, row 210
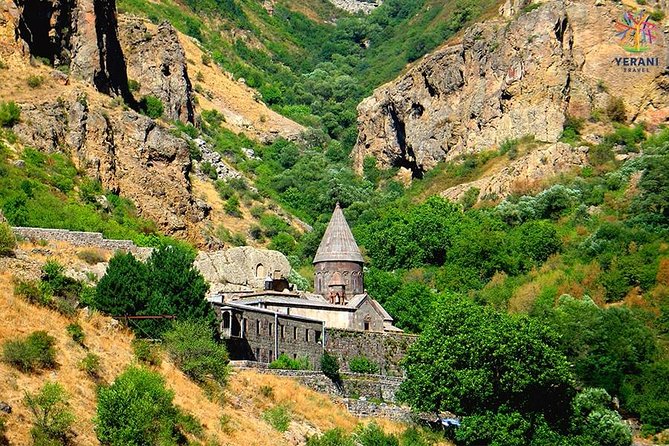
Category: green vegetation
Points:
column 35, row 81
column 10, row 114
column 7, row 239
column 278, row 417
column 151, row 106
column 330, row 367
column 136, row 410
column 36, row 352
column 285, row 362
column 362, row 364
column 43, row 193
column 91, row 365
column 461, row 363
column 51, row 417
column 76, row 332
column 372, row 434
column 146, row 353
column 167, row 284
column 193, row 348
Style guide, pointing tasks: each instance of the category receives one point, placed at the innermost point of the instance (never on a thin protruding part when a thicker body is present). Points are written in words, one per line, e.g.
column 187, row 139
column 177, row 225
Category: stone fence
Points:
column 84, row 239
column 354, row 385
column 364, row 395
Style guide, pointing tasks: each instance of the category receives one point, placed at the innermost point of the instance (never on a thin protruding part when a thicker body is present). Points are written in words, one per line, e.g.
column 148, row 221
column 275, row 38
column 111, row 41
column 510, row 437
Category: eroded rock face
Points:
column 157, row 61
column 365, row 6
column 241, row 269
column 524, row 174
column 508, row 79
column 129, row 153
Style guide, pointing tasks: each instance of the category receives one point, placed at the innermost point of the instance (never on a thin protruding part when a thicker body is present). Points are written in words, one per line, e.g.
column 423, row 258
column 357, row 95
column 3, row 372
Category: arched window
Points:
column 260, row 271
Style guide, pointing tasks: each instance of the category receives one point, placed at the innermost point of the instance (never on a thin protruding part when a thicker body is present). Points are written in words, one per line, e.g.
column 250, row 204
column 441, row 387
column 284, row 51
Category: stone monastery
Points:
column 259, row 325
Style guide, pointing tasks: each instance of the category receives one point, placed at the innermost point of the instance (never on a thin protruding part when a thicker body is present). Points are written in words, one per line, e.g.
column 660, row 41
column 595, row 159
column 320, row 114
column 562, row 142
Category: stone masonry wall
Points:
column 384, row 349
column 76, row 238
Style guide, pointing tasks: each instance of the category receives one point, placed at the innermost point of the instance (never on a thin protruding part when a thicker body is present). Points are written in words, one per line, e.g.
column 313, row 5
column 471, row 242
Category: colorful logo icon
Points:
column 636, row 31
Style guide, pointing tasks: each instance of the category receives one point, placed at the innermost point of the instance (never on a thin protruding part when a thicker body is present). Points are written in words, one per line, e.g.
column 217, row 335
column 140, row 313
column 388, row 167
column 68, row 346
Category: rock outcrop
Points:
column 524, row 174
column 128, row 153
column 241, row 269
column 157, row 62
column 508, row 79
column 365, row 6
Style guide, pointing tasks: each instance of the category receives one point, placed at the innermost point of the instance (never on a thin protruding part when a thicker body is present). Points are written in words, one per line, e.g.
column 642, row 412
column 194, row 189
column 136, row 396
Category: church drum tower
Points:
column 338, row 262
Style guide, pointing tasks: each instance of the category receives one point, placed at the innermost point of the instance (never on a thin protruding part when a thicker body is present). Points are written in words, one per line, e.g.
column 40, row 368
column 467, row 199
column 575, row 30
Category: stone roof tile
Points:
column 338, row 244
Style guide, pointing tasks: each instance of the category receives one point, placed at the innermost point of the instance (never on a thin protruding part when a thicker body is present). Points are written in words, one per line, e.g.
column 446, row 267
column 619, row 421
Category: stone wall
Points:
column 384, row 349
column 84, row 239
column 377, row 388
column 363, row 408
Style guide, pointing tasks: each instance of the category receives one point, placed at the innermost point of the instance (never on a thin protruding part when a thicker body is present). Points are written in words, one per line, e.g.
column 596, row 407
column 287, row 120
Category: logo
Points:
column 636, row 31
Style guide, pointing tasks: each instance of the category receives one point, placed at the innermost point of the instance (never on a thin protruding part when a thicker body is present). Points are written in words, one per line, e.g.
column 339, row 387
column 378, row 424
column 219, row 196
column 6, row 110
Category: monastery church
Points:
column 259, row 325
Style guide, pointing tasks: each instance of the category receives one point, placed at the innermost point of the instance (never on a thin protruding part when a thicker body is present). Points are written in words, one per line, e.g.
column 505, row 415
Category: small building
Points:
column 260, row 325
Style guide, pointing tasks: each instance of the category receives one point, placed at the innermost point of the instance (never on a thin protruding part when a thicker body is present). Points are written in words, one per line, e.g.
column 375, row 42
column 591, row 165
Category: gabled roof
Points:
column 338, row 243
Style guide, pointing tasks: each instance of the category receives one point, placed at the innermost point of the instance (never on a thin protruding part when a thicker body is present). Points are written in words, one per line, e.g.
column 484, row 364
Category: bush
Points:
column 194, row 350
column 7, row 239
column 91, row 256
column 278, row 417
column 145, row 352
column 10, row 113
column 362, row 364
column 330, row 367
column 267, row 392
column 35, row 352
column 90, row 365
column 373, row 435
column 151, row 106
column 76, row 332
column 285, row 363
column 35, row 81
column 332, row 437
column 231, row 207
column 52, row 419
column 615, row 109
column 136, row 410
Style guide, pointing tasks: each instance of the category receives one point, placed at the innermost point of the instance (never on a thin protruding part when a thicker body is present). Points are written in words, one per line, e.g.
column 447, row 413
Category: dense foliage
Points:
column 52, row 419
column 137, row 410
column 167, row 284
column 193, row 348
column 507, row 378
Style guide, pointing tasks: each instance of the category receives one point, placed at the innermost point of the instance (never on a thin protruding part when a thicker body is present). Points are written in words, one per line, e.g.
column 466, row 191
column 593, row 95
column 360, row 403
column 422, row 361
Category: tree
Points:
column 194, row 350
column 136, row 410
column 123, row 290
column 52, row 418
column 475, row 361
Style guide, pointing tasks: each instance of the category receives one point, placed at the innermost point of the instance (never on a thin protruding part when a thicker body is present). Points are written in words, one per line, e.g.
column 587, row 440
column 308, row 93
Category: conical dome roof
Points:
column 338, row 244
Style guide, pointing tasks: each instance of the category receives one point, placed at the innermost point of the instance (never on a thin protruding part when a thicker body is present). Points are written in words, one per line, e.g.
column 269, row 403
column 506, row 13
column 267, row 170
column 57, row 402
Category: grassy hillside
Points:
column 236, row 419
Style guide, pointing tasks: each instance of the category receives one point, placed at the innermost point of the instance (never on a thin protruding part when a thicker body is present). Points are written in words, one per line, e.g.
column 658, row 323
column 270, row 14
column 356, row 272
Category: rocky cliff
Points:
column 509, row 77
column 129, row 153
column 157, row 63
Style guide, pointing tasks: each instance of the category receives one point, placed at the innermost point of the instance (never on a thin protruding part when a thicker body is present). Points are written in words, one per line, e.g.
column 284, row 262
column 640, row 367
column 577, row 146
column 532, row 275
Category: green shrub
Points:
column 35, row 81
column 209, row 170
column 372, row 435
column 76, row 333
column 231, row 207
column 286, row 363
column 510, row 148
column 278, row 417
column 136, row 410
column 330, row 367
column 151, row 106
column 10, row 113
column 90, row 365
column 7, row 239
column 194, row 350
column 657, row 15
column 133, row 85
column 332, row 437
column 188, row 424
column 146, row 352
column 52, row 418
column 35, row 352
column 362, row 364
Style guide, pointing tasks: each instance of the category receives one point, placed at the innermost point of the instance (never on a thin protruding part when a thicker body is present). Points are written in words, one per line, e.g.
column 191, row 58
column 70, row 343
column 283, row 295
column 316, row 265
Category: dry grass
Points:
column 243, row 404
